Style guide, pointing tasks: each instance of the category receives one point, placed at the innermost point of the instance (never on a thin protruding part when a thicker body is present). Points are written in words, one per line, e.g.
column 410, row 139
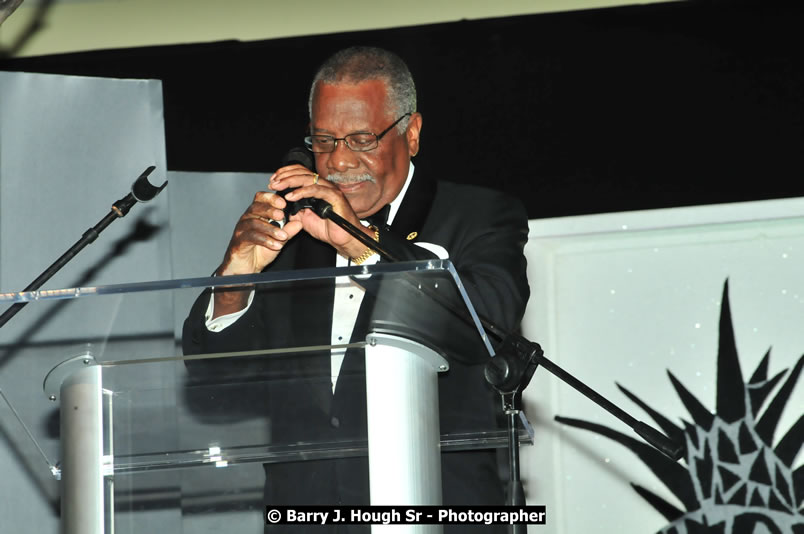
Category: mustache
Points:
column 342, row 178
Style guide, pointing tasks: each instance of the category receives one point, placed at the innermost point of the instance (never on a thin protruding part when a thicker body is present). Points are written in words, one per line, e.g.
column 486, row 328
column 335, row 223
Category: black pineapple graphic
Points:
column 735, row 479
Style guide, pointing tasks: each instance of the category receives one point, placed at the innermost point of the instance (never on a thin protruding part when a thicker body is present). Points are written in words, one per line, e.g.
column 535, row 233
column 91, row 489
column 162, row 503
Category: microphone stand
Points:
column 141, row 191
column 517, row 358
column 324, row 210
column 510, row 372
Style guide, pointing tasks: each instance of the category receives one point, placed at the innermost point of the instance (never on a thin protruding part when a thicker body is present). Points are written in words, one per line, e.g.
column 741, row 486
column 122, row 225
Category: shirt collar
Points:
column 395, row 203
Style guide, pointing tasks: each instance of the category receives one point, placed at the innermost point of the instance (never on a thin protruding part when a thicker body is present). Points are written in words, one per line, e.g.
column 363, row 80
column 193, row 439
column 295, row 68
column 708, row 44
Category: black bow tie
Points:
column 380, row 218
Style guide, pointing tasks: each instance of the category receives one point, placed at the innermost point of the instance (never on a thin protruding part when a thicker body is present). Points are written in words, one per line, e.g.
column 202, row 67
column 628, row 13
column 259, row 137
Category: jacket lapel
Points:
column 415, row 207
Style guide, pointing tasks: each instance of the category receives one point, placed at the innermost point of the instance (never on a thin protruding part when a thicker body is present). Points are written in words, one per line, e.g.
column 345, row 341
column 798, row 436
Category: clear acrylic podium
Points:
column 154, row 437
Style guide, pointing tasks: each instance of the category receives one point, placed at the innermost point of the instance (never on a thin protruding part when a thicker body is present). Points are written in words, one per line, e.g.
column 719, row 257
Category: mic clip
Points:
column 320, row 207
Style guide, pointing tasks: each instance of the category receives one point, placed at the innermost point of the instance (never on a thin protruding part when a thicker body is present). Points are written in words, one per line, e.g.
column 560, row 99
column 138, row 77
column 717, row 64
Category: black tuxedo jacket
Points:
column 484, row 232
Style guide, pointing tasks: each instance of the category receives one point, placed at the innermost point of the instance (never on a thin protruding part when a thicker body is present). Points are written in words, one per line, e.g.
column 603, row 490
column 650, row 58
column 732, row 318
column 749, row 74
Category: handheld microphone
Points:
column 322, row 208
column 303, row 157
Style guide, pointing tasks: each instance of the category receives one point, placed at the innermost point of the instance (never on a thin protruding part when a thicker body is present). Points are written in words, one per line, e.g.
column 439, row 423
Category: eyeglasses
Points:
column 357, row 142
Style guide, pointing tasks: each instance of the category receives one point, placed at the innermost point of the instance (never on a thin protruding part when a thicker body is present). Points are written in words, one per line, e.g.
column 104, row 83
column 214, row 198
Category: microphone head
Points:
column 299, row 155
column 303, row 157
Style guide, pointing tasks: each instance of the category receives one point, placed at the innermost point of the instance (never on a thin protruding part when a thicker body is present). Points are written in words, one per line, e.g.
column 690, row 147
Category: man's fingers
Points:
column 255, row 228
column 294, row 176
column 253, row 237
column 266, row 206
column 321, row 191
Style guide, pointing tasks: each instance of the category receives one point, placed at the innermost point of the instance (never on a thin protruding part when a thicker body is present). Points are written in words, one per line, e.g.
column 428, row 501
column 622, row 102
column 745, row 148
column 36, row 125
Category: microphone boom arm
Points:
column 518, row 357
column 324, row 210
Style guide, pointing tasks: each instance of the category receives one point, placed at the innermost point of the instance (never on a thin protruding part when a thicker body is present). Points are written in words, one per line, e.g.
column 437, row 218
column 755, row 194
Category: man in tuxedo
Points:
column 364, row 130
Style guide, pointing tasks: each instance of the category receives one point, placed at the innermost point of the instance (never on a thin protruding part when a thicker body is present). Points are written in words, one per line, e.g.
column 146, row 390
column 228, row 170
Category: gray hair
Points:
column 360, row 64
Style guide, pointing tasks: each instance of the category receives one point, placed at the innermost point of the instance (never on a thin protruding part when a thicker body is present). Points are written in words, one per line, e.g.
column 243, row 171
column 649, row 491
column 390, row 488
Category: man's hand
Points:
column 257, row 241
column 310, row 186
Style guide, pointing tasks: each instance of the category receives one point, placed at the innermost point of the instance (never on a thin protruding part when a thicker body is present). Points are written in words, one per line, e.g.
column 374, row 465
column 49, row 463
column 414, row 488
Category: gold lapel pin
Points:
column 412, row 236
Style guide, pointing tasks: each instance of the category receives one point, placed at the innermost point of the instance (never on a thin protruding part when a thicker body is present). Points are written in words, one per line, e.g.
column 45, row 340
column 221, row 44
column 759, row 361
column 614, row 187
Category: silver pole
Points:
column 82, row 483
column 403, row 425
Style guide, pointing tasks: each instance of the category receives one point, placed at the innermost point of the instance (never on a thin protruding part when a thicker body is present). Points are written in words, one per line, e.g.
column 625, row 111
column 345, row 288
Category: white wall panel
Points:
column 625, row 297
column 70, row 147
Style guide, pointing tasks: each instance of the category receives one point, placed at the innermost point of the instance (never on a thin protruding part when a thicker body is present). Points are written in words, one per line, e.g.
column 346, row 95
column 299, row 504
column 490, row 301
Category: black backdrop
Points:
column 581, row 112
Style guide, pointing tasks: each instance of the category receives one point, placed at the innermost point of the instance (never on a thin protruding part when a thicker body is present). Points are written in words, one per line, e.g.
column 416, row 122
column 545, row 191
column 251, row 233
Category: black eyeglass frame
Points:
column 308, row 141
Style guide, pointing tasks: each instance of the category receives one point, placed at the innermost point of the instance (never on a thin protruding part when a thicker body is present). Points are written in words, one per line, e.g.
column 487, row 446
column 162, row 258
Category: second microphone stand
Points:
column 141, row 191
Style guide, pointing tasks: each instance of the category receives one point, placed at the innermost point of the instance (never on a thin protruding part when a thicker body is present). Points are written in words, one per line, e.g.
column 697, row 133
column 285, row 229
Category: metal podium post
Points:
column 403, row 424
column 86, row 500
